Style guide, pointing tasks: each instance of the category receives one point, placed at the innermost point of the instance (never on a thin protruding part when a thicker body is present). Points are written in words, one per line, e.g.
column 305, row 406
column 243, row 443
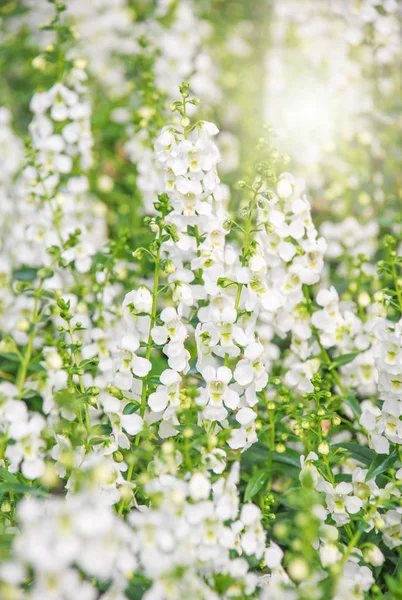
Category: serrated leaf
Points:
column 255, row 484
column 380, row 464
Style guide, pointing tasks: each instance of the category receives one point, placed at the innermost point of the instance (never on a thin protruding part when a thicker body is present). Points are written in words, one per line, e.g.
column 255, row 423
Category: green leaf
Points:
column 342, row 360
column 11, row 483
column 25, row 274
column 9, row 356
column 198, row 431
column 137, row 587
column 66, row 399
column 343, row 477
column 255, row 484
column 290, row 458
column 260, row 452
column 96, row 440
column 360, row 453
column 21, row 488
column 7, row 476
column 381, row 464
column 354, row 405
column 153, row 379
column 9, row 364
column 131, row 408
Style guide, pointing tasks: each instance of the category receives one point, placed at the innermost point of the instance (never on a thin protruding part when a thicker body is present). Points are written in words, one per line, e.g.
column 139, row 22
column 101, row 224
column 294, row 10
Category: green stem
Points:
column 271, row 446
column 198, row 241
column 397, row 287
column 152, row 323
column 353, row 541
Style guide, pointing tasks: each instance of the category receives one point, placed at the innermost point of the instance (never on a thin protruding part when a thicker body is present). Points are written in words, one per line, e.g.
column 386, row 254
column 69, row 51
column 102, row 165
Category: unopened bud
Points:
column 118, row 456
column 323, row 448
column 138, row 254
column 168, row 267
column 298, row 569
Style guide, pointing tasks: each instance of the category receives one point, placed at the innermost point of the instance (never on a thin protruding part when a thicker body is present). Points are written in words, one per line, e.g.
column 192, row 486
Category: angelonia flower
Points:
column 200, row 378
column 383, row 426
column 177, row 57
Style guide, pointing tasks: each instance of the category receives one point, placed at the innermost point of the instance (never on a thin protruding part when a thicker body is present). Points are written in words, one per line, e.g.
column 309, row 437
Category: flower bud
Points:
column 118, row 456
column 323, row 448
column 138, row 254
column 23, row 325
column 373, row 555
column 168, row 267
column 39, row 63
column 298, row 569
column 54, row 361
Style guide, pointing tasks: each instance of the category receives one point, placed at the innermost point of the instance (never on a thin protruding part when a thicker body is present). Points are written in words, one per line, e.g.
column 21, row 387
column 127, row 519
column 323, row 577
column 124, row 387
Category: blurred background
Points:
column 325, row 73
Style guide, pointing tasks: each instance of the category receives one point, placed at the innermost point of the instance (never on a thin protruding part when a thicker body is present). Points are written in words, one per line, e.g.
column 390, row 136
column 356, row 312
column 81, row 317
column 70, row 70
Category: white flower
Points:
column 131, row 423
column 392, row 531
column 172, row 335
column 28, row 448
column 199, row 487
column 182, row 294
column 217, row 393
column 355, row 580
column 273, row 556
column 372, row 420
column 374, row 556
column 339, row 501
column 309, row 472
column 329, row 554
column 284, row 187
column 300, row 374
column 245, row 436
column 140, row 366
column 251, row 371
column 215, row 460
column 142, row 299
column 168, row 393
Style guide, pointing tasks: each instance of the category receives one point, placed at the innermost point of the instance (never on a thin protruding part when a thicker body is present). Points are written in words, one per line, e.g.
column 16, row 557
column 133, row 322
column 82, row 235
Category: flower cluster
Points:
column 200, row 369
